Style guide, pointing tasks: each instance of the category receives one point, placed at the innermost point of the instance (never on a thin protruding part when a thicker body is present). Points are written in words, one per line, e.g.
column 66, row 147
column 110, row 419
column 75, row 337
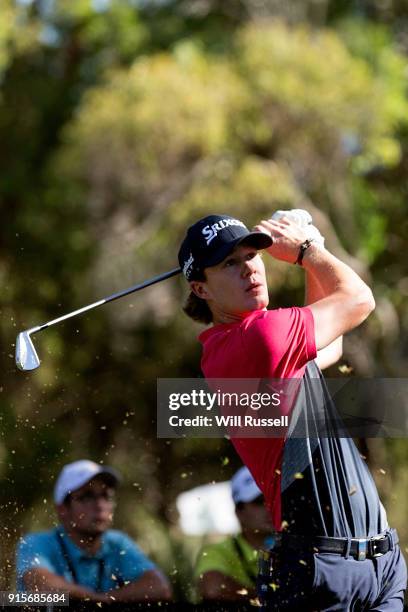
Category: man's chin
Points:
column 98, row 528
column 260, row 302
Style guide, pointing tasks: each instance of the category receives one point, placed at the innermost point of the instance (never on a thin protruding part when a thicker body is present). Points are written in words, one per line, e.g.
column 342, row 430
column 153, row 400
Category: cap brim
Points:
column 110, row 476
column 259, row 240
column 249, row 494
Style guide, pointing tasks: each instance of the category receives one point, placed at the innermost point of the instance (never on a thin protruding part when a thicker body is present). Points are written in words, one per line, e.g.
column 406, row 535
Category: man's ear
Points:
column 199, row 289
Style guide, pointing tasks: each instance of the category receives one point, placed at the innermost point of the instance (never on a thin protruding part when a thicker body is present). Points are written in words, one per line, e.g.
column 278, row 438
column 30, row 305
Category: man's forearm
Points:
column 313, row 293
column 313, row 289
column 332, row 275
column 151, row 586
column 216, row 586
column 39, row 579
column 348, row 300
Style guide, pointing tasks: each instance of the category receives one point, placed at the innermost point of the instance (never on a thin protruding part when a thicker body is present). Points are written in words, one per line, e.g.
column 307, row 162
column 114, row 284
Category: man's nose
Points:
column 101, row 511
column 248, row 266
column 102, row 503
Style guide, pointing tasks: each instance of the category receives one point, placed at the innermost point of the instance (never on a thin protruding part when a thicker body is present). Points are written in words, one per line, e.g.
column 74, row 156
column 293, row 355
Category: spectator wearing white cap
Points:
column 82, row 555
column 227, row 570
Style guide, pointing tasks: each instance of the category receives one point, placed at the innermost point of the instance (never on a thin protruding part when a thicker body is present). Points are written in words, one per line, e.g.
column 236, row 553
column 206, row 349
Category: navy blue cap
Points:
column 211, row 239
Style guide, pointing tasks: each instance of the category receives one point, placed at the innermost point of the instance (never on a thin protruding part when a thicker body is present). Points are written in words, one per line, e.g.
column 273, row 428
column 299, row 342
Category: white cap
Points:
column 243, row 486
column 75, row 475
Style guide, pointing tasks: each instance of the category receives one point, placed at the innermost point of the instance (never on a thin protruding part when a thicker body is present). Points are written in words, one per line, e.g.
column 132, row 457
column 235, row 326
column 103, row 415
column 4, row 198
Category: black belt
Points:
column 358, row 548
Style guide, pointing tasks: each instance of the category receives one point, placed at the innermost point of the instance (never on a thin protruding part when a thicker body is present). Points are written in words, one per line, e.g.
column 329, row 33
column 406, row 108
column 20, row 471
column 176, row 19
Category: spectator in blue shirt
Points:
column 82, row 556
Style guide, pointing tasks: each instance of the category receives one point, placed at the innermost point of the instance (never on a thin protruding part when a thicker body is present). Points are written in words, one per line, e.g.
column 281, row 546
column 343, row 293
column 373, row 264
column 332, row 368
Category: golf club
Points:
column 26, row 355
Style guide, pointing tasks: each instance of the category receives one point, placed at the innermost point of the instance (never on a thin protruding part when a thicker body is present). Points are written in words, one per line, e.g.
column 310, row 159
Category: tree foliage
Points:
column 119, row 126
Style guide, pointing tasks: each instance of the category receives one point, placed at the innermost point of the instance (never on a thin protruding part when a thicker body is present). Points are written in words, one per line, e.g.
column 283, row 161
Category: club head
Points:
column 26, row 355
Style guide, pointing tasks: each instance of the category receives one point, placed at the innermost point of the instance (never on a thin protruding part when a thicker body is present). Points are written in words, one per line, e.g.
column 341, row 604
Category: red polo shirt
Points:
column 265, row 344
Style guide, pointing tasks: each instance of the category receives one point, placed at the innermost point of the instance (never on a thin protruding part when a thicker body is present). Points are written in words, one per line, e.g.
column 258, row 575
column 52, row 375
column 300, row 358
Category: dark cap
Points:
column 211, row 239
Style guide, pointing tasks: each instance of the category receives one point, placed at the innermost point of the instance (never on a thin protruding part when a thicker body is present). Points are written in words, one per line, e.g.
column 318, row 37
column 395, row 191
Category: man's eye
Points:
column 229, row 262
column 251, row 255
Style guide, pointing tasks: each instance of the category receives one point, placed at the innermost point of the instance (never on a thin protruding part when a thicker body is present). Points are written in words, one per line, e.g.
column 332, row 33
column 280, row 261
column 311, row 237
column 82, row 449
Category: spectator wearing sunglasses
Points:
column 82, row 555
column 227, row 570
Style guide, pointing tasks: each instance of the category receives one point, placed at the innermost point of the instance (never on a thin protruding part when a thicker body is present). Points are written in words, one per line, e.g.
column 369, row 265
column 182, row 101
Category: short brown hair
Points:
column 196, row 308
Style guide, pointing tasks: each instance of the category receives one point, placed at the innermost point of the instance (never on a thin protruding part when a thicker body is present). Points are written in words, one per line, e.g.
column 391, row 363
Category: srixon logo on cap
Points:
column 210, row 231
column 188, row 265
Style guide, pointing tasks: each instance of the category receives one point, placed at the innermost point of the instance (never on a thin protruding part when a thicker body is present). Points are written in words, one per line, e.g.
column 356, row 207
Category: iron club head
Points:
column 26, row 355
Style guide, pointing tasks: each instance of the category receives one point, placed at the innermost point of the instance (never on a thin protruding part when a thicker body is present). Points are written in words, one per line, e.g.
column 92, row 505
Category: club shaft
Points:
column 110, row 298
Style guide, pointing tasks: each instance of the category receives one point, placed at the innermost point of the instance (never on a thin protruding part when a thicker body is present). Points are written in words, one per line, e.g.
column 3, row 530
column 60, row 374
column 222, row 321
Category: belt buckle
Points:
column 361, row 549
column 373, row 545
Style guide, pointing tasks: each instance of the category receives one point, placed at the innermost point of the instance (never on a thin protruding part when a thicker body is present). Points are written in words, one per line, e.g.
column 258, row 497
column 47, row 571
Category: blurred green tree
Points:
column 120, row 126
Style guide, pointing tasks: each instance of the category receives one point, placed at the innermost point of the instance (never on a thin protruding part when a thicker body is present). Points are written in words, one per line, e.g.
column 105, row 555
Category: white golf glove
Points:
column 302, row 218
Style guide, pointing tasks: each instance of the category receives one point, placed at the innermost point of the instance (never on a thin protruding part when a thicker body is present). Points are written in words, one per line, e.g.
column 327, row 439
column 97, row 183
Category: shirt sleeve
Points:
column 133, row 562
column 31, row 553
column 221, row 558
column 210, row 560
column 282, row 340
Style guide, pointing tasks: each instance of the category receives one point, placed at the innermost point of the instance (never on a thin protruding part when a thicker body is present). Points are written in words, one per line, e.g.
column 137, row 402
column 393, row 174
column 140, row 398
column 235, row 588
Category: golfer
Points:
column 336, row 550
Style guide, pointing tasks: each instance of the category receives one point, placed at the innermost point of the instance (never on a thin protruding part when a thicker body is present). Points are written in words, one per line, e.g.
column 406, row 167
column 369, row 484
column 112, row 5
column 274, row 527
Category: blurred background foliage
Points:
column 121, row 121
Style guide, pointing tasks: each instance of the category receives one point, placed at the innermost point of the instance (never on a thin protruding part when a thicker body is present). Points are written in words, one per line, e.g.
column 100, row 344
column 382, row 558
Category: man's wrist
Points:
column 303, row 249
column 309, row 256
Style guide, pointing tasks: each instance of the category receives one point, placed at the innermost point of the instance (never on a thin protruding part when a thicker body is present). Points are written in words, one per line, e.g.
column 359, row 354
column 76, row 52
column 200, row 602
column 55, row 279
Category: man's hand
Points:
column 303, row 219
column 215, row 586
column 287, row 238
column 41, row 579
column 151, row 586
